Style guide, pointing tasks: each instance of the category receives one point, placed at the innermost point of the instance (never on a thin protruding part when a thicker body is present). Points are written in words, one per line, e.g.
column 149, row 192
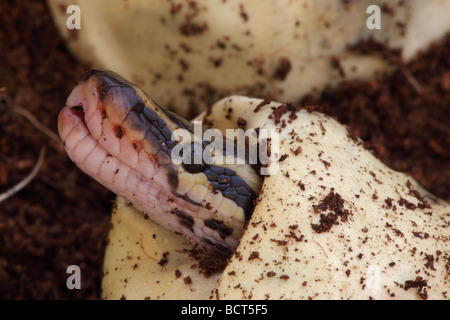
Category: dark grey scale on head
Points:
column 232, row 186
column 138, row 121
column 157, row 127
column 225, row 180
column 180, row 121
column 114, row 84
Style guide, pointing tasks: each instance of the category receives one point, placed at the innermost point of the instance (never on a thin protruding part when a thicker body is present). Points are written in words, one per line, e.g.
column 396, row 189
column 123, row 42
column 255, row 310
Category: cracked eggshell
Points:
column 332, row 223
column 145, row 261
column 187, row 55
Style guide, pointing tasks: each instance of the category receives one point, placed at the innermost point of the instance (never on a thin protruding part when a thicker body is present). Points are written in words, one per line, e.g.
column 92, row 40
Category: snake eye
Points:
column 193, row 165
column 194, row 168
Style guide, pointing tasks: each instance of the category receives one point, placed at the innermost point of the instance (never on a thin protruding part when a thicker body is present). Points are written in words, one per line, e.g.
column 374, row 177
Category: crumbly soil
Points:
column 61, row 217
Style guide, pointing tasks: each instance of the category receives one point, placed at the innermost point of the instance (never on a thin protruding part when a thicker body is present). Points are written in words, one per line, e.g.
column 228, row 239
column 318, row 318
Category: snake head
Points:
column 122, row 138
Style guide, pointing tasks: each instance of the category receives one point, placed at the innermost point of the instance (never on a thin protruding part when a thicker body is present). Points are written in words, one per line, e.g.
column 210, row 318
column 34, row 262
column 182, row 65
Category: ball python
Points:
column 122, row 138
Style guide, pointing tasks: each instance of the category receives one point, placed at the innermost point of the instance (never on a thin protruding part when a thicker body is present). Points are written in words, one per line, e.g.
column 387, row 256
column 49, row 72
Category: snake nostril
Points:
column 194, row 168
column 78, row 111
column 77, row 108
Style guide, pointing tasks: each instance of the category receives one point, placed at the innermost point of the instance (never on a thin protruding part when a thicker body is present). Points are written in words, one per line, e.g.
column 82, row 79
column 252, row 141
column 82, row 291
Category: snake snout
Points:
column 68, row 118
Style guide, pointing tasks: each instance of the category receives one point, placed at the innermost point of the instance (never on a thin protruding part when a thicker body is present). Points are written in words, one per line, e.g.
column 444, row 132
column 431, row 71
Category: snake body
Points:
column 119, row 136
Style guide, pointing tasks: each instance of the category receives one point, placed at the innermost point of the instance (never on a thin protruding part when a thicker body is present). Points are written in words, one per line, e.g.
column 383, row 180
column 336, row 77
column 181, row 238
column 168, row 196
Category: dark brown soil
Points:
column 62, row 217
column 405, row 118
